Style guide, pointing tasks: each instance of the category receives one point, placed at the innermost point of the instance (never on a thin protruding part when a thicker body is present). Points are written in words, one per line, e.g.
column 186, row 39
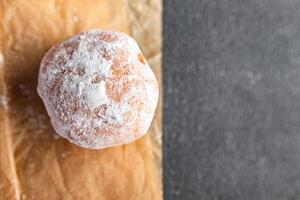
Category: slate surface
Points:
column 231, row 99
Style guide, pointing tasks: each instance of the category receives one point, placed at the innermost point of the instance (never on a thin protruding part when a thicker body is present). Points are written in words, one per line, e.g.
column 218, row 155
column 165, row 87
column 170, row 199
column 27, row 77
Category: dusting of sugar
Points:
column 35, row 120
column 95, row 94
column 94, row 64
column 79, row 93
column 80, row 88
column 24, row 89
column 115, row 112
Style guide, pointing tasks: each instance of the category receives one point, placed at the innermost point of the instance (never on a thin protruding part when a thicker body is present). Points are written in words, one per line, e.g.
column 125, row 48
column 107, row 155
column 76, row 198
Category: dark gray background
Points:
column 231, row 99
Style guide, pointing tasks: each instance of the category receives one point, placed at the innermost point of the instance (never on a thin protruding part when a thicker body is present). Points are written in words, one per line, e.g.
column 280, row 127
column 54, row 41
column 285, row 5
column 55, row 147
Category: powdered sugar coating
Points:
column 98, row 89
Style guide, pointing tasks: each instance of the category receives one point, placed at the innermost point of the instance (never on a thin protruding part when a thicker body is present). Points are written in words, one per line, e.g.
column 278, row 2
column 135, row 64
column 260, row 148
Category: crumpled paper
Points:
column 34, row 162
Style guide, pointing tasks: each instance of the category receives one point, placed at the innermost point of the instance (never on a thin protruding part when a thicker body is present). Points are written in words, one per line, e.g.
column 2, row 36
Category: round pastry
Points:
column 98, row 89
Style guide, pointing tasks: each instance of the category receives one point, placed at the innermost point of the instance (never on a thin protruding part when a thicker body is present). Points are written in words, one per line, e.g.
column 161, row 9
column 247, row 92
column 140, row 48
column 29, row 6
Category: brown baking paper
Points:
column 36, row 164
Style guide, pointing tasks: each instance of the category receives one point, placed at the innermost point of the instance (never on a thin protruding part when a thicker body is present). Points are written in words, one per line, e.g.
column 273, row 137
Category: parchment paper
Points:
column 36, row 164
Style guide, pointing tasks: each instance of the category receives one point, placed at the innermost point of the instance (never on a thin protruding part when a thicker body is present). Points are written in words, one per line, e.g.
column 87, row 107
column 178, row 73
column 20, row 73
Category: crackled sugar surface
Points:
column 98, row 89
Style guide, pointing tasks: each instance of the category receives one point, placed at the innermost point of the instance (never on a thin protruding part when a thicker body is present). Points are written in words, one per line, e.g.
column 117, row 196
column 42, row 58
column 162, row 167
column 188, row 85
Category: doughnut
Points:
column 98, row 89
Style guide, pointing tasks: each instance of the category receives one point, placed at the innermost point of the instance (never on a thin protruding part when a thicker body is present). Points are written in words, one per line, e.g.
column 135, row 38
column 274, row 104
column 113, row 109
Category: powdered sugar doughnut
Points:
column 98, row 89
